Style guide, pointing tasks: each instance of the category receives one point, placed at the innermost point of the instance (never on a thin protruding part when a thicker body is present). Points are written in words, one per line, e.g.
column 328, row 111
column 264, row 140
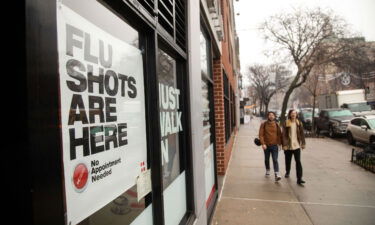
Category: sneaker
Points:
column 301, row 182
column 267, row 173
column 277, row 177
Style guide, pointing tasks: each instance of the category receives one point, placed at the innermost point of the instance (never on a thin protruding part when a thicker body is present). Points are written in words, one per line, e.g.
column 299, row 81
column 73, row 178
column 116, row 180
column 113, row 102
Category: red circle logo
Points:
column 80, row 177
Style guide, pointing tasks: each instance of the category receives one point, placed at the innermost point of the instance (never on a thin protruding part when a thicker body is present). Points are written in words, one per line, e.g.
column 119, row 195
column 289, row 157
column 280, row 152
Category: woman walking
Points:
column 293, row 142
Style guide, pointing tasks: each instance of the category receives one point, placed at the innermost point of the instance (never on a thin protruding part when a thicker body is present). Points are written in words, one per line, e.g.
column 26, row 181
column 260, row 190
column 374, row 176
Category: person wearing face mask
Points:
column 270, row 139
column 293, row 140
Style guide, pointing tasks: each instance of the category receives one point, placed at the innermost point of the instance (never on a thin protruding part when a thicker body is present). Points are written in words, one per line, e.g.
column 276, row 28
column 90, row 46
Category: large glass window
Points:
column 227, row 107
column 207, row 118
column 205, row 51
column 233, row 110
column 94, row 120
column 102, row 116
column 171, row 129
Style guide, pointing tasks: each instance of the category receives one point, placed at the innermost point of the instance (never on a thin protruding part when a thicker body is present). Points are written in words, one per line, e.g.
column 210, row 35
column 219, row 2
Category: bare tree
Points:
column 260, row 84
column 253, row 94
column 267, row 80
column 312, row 86
column 309, row 38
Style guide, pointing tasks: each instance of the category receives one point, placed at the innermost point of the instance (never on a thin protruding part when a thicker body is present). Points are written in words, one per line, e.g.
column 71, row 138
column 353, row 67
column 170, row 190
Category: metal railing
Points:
column 364, row 158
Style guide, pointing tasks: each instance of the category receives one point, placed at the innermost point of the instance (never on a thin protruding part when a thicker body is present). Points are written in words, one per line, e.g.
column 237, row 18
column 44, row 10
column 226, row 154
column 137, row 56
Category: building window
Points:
column 233, row 110
column 227, row 108
column 172, row 138
column 114, row 155
column 208, row 121
column 171, row 17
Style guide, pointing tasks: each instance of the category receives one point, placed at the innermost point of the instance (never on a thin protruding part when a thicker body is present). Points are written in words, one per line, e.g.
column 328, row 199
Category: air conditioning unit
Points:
column 215, row 13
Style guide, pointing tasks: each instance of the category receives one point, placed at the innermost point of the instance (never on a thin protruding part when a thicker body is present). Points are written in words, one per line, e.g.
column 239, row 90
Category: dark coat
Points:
column 300, row 135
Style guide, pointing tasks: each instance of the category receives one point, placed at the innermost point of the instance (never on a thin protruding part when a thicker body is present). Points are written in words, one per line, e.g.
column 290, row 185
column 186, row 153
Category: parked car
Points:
column 361, row 129
column 310, row 110
column 359, row 109
column 305, row 116
column 335, row 121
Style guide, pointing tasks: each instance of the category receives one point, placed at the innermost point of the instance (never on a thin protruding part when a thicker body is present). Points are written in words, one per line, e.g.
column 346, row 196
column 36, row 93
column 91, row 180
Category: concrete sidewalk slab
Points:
column 336, row 192
column 241, row 211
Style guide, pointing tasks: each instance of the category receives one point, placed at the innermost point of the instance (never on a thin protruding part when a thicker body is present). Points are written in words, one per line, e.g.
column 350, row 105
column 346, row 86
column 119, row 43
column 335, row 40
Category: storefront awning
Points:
column 249, row 106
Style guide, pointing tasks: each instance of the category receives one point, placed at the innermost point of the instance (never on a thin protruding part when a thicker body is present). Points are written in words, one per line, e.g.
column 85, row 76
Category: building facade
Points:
column 226, row 71
column 127, row 107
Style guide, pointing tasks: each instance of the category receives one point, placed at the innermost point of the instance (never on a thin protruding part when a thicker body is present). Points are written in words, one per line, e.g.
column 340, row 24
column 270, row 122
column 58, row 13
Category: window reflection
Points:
column 207, row 119
column 105, row 19
column 205, row 49
column 203, row 52
column 169, row 117
column 122, row 210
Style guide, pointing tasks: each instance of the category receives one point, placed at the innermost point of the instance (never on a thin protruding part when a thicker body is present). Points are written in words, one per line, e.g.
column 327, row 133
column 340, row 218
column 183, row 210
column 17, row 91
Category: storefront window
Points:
column 205, row 56
column 227, row 107
column 174, row 179
column 93, row 77
column 207, row 118
column 209, row 155
column 233, row 110
column 103, row 119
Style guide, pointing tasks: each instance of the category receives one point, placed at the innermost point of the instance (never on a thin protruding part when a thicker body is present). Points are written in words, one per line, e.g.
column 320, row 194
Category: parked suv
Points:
column 305, row 116
column 361, row 129
column 335, row 121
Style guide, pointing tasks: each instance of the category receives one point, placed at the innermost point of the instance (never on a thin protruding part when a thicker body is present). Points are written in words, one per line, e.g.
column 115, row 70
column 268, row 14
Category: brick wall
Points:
column 223, row 149
column 227, row 44
column 219, row 116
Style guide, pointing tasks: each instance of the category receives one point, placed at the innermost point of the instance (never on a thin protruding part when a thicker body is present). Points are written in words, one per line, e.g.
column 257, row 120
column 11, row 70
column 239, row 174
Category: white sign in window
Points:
column 102, row 114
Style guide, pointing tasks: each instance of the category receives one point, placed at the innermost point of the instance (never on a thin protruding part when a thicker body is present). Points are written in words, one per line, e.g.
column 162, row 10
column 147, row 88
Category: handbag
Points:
column 257, row 142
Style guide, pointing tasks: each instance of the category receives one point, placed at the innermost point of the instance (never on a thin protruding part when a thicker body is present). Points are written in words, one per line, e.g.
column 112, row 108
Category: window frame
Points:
column 227, row 108
column 42, row 81
column 210, row 83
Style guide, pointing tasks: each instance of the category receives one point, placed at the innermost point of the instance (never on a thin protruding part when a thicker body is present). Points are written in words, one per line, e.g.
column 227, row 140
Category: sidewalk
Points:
column 336, row 191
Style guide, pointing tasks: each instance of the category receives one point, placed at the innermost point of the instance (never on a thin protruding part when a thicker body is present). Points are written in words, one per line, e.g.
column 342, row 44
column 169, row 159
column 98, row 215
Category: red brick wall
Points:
column 227, row 45
column 223, row 149
column 219, row 116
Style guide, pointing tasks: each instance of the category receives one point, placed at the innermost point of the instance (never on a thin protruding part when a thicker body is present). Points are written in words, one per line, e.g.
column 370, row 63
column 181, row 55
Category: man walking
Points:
column 270, row 137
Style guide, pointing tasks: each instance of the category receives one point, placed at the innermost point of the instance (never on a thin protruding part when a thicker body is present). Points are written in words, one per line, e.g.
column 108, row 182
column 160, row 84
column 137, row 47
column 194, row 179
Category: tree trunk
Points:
column 285, row 104
column 266, row 105
column 287, row 96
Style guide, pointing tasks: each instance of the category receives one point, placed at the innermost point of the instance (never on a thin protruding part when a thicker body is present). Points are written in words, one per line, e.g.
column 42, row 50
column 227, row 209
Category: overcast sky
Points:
column 360, row 14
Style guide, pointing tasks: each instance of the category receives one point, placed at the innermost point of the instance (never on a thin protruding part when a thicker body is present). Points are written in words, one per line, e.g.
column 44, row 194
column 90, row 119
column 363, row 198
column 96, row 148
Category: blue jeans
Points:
column 274, row 151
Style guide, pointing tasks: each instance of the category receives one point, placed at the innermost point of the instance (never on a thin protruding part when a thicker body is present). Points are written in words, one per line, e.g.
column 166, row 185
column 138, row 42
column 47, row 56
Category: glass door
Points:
column 171, row 130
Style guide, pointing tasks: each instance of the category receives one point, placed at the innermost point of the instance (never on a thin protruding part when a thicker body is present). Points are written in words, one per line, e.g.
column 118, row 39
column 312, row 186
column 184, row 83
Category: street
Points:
column 336, row 190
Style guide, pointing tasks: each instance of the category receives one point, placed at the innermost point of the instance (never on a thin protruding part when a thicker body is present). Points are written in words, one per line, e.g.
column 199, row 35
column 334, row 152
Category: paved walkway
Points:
column 336, row 191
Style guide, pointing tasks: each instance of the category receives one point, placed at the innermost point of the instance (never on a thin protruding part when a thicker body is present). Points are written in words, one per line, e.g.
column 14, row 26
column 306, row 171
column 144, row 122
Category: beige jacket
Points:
column 286, row 135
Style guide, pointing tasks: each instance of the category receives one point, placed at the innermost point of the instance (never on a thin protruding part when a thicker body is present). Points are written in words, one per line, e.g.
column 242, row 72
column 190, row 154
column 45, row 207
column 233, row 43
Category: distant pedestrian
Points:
column 270, row 137
column 293, row 141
